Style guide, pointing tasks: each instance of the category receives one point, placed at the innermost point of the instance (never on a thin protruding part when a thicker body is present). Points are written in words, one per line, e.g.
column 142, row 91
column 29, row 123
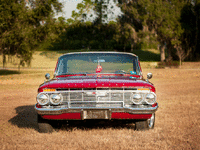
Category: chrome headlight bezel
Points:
column 56, row 96
column 150, row 98
column 41, row 96
column 137, row 98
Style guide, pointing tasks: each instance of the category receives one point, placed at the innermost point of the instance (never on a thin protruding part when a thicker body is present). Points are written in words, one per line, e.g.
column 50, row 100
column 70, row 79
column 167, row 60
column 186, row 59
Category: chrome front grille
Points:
column 96, row 98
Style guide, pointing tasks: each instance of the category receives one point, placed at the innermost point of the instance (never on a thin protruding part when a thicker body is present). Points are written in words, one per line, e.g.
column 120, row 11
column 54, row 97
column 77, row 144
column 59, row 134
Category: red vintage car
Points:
column 97, row 85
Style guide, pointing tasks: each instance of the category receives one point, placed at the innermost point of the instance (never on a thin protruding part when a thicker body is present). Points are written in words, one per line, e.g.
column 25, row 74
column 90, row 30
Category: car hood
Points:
column 95, row 82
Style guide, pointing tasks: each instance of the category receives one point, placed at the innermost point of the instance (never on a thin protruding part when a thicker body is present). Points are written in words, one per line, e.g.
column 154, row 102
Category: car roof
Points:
column 99, row 52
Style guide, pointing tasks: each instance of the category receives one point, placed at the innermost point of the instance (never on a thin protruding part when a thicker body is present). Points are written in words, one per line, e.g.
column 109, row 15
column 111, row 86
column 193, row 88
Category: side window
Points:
column 135, row 67
column 62, row 68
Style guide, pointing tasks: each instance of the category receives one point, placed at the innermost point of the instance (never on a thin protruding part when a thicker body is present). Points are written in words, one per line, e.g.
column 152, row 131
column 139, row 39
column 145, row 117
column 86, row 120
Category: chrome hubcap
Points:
column 151, row 121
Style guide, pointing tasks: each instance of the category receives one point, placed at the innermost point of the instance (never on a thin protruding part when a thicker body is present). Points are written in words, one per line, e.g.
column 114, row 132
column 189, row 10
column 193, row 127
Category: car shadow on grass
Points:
column 26, row 117
column 96, row 124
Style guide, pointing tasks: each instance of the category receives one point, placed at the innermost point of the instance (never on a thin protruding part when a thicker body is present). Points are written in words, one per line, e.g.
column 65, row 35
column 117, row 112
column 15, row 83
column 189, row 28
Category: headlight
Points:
column 137, row 98
column 150, row 98
column 42, row 99
column 56, row 99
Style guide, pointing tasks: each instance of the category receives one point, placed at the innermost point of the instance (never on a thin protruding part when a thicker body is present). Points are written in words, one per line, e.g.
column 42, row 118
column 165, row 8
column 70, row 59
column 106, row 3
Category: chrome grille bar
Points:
column 103, row 98
column 97, row 98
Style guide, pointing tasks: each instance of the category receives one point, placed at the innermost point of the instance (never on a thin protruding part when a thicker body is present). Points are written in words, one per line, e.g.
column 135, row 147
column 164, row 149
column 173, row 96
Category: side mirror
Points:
column 149, row 76
column 47, row 76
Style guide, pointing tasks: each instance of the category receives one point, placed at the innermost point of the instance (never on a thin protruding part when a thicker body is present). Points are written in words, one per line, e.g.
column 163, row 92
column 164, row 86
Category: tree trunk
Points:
column 196, row 36
column 131, row 47
column 19, row 67
column 20, row 62
column 29, row 63
column 124, row 47
column 169, row 53
column 162, row 53
column 4, row 60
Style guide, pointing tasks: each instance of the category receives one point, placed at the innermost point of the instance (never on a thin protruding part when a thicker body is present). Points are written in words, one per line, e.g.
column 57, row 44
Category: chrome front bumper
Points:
column 58, row 111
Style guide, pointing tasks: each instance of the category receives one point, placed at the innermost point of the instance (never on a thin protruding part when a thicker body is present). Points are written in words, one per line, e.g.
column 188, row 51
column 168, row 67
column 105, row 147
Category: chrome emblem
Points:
column 98, row 94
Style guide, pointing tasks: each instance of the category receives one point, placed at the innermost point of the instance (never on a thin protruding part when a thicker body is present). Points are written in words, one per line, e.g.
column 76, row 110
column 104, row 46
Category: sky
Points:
column 69, row 6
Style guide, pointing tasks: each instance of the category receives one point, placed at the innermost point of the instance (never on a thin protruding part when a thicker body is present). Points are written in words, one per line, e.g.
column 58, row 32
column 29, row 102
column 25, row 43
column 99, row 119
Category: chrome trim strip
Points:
column 112, row 91
column 96, row 102
column 99, row 52
column 56, row 111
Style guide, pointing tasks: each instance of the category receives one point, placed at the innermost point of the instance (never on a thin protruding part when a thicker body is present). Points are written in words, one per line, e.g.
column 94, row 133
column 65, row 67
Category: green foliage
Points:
column 172, row 25
column 86, row 35
column 147, row 45
column 158, row 22
column 81, row 11
column 144, row 25
column 26, row 24
column 190, row 19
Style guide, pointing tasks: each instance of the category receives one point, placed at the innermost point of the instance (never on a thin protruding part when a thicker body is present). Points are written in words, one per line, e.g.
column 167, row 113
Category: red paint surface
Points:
column 154, row 105
column 116, row 115
column 56, row 66
column 96, row 82
column 139, row 65
column 38, row 106
column 40, row 90
column 121, row 80
column 122, row 115
column 64, row 116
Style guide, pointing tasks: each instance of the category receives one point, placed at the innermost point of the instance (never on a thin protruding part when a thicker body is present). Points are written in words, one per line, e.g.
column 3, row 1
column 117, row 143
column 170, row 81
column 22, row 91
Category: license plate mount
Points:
column 96, row 114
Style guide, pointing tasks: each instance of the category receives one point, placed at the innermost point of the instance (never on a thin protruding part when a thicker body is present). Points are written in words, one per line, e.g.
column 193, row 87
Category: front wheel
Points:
column 146, row 124
column 44, row 125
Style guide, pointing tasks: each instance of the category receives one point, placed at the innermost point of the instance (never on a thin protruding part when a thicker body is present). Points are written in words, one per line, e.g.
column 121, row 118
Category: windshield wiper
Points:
column 82, row 73
column 65, row 74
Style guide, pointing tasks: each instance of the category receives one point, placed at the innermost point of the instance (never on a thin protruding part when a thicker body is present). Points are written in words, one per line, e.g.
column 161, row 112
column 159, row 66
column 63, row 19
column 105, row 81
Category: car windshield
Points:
column 103, row 63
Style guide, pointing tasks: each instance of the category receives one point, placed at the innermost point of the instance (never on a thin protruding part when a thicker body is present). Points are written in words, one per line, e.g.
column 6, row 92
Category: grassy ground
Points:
column 177, row 119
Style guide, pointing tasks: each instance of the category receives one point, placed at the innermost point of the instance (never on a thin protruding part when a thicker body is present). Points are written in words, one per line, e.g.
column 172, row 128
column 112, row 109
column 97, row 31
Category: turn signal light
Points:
column 49, row 90
column 142, row 89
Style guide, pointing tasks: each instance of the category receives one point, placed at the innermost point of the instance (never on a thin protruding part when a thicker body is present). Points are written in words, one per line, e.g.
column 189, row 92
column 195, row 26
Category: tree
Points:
column 135, row 16
column 106, row 11
column 190, row 18
column 155, row 18
column 83, row 10
column 96, row 11
column 181, row 53
column 24, row 25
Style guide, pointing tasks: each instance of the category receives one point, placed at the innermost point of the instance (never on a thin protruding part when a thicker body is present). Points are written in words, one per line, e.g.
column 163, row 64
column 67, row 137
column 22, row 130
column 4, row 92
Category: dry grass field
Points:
column 177, row 119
